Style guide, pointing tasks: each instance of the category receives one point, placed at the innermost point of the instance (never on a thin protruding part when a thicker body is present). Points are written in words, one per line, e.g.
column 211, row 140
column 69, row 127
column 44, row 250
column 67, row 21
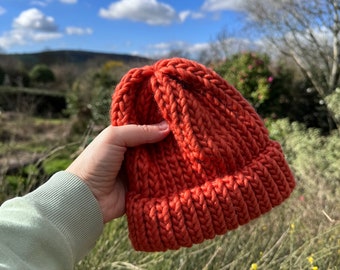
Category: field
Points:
column 302, row 233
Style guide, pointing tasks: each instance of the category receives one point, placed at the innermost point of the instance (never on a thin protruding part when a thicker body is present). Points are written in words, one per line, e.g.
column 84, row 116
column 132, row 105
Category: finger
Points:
column 133, row 135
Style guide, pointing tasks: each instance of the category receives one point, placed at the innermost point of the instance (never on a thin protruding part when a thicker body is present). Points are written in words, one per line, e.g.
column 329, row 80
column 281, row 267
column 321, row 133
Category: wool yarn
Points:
column 218, row 169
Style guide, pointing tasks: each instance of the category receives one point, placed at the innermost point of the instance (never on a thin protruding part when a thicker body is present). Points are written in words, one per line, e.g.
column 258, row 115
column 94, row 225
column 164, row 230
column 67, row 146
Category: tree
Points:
column 308, row 31
column 226, row 43
column 65, row 74
column 42, row 74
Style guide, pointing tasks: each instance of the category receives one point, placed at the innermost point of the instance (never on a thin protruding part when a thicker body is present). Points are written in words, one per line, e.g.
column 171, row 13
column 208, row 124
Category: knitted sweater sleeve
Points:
column 52, row 227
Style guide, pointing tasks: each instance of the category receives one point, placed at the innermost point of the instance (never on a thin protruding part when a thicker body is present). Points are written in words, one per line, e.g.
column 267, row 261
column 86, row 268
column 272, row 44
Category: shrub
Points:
column 314, row 158
column 333, row 104
column 42, row 74
column 90, row 97
column 250, row 74
column 89, row 100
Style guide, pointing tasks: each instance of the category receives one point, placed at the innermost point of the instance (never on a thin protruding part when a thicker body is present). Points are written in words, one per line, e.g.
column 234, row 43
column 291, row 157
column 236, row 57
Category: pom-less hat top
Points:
column 217, row 169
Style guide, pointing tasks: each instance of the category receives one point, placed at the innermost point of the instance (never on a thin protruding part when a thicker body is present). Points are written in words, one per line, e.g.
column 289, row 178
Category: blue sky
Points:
column 142, row 27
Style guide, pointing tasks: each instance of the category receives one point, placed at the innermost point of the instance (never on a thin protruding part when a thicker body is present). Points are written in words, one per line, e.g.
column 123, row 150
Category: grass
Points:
column 295, row 235
column 21, row 133
column 42, row 143
column 56, row 164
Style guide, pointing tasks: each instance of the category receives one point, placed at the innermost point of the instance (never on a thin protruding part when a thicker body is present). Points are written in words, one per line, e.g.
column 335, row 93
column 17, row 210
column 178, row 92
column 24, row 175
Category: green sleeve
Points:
column 52, row 227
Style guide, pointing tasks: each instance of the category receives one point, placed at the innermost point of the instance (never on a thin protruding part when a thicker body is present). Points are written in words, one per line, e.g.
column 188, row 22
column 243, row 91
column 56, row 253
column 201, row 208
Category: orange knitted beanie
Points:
column 217, row 169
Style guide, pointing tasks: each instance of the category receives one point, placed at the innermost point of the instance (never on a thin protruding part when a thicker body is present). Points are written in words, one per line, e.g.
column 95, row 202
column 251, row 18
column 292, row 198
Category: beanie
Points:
column 218, row 168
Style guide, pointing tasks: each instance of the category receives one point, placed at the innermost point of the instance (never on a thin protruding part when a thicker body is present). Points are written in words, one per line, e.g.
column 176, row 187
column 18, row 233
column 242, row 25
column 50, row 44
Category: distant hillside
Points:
column 69, row 56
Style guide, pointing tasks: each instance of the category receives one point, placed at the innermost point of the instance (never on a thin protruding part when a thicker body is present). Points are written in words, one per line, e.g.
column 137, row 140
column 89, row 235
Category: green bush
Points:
column 249, row 73
column 42, row 74
column 333, row 104
column 314, row 158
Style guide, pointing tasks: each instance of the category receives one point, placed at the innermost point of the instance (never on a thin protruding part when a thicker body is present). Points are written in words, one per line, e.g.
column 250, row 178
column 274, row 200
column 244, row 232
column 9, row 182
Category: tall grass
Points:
column 302, row 233
column 286, row 238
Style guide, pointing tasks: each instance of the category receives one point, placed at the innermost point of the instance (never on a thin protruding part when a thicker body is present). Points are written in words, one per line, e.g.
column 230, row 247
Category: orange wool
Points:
column 217, row 169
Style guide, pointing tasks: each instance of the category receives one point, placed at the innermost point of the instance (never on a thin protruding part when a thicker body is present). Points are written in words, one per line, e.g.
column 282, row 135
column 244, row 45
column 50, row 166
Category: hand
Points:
column 99, row 164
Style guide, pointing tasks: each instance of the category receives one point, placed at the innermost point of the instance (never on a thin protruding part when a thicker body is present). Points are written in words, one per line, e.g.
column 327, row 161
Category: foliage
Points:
column 42, row 74
column 249, row 73
column 87, row 100
column 333, row 103
column 111, row 65
column 280, row 93
column 313, row 156
column 90, row 97
column 276, row 90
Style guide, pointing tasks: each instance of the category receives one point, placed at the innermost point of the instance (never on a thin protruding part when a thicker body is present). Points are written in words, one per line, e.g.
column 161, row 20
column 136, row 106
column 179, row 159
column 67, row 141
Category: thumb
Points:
column 133, row 135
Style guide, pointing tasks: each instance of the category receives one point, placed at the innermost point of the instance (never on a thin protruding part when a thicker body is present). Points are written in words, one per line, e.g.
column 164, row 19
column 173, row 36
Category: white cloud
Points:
column 72, row 30
column 184, row 14
column 42, row 36
column 216, row 5
column 2, row 10
column 34, row 19
column 11, row 38
column 20, row 37
column 147, row 11
column 197, row 15
column 69, row 1
column 220, row 48
column 30, row 26
column 163, row 49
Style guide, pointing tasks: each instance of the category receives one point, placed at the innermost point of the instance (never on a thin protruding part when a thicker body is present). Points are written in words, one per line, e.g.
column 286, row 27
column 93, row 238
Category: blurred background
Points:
column 61, row 60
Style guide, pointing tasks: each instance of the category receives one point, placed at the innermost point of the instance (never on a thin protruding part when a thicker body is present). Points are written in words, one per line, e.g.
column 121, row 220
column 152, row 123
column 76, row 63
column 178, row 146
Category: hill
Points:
column 69, row 56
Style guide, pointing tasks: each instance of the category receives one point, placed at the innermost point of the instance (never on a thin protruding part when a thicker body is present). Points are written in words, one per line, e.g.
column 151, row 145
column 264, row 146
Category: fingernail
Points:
column 163, row 125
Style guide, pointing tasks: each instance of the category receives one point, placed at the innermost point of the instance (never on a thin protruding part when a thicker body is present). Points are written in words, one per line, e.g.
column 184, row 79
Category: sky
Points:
column 148, row 28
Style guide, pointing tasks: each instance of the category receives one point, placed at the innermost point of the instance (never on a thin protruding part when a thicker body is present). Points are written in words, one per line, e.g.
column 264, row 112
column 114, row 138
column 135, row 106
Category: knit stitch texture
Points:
column 217, row 169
